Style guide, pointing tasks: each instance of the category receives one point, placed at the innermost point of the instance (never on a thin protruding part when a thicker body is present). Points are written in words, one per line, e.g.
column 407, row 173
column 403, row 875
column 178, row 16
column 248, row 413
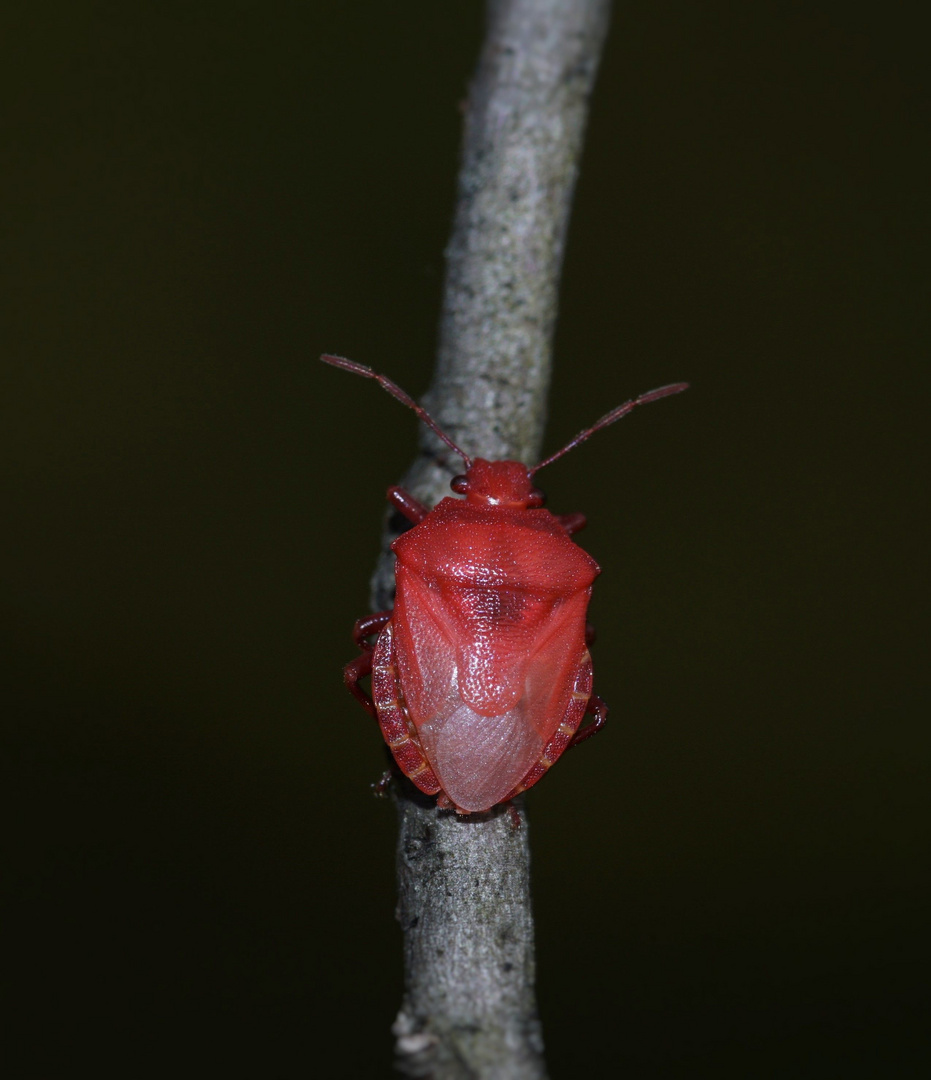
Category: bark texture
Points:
column 469, row 1009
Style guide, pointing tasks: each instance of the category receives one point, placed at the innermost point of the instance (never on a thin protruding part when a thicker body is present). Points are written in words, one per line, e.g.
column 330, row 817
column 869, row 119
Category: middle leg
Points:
column 354, row 671
column 362, row 665
column 368, row 625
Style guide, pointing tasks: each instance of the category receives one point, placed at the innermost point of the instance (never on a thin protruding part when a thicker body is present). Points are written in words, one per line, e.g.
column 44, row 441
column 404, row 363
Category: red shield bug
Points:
column 481, row 675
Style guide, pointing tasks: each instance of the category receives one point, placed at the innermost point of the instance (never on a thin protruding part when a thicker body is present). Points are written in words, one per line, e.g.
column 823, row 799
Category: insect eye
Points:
column 459, row 484
column 537, row 498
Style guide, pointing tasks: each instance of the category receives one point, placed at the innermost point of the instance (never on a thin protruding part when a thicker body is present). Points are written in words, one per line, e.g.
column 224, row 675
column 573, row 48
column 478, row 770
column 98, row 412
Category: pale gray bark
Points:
column 469, row 1009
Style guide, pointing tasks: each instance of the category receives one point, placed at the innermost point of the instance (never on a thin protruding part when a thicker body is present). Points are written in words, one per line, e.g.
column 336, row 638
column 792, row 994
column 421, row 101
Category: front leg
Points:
column 572, row 523
column 405, row 503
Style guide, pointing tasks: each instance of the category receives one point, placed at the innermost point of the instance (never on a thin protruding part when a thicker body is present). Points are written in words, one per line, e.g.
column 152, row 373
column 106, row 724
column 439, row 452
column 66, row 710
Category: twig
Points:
column 469, row 1009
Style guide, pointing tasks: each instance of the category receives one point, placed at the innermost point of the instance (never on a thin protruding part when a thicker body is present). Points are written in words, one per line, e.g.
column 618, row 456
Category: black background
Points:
column 198, row 199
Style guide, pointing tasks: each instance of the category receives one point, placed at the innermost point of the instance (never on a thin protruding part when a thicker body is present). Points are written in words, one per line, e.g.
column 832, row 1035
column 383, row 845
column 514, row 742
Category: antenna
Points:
column 609, row 418
column 395, row 391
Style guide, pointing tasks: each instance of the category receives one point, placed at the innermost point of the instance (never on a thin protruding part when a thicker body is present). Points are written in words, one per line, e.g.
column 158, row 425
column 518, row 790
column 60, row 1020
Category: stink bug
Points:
column 481, row 674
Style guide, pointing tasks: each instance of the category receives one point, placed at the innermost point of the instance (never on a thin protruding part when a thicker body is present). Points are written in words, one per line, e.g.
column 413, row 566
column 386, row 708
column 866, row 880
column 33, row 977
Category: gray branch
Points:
column 469, row 1009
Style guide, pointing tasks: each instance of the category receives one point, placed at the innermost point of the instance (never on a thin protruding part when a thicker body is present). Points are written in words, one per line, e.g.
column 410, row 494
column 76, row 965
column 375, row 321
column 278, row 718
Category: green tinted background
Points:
column 199, row 198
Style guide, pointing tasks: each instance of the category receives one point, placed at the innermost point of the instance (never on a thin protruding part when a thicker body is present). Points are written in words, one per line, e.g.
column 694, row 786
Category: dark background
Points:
column 198, row 199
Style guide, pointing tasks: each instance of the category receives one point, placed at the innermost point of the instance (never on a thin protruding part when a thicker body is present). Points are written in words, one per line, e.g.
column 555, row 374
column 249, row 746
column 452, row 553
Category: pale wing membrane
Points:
column 479, row 759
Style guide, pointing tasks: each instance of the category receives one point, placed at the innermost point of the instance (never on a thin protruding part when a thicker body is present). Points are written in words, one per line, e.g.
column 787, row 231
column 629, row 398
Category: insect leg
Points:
column 405, row 503
column 381, row 785
column 599, row 710
column 572, row 523
column 362, row 665
column 354, row 671
column 368, row 625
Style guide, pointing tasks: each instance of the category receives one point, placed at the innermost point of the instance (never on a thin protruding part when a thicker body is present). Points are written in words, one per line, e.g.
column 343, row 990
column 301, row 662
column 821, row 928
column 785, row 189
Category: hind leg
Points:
column 599, row 710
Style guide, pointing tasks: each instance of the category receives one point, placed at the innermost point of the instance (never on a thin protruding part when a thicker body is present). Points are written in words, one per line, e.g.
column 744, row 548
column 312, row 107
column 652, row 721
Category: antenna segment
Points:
column 396, row 392
column 609, row 418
